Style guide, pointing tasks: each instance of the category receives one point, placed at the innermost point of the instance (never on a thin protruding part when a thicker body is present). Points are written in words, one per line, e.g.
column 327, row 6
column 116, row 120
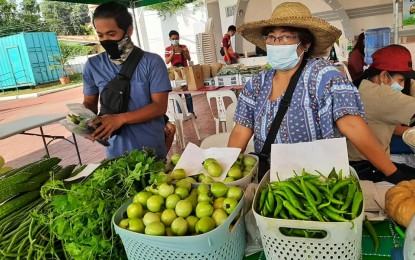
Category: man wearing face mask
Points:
column 324, row 103
column 143, row 124
column 178, row 55
column 388, row 110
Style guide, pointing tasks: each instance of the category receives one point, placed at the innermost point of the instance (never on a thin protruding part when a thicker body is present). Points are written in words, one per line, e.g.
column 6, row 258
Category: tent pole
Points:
column 396, row 25
column 135, row 23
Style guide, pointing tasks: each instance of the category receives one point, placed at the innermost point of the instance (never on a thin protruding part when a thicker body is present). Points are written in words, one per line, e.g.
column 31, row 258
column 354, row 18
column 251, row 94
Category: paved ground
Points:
column 21, row 149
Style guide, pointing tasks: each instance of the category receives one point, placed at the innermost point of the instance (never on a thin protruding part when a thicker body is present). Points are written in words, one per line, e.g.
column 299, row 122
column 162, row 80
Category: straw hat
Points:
column 293, row 14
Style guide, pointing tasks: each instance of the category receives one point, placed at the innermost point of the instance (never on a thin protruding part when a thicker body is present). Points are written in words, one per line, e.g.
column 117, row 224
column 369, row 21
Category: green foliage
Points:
column 68, row 51
column 65, row 18
column 170, row 7
column 81, row 216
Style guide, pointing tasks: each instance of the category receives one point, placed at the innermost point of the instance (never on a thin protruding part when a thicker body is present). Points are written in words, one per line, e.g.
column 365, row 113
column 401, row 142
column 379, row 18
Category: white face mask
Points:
column 395, row 85
column 174, row 42
column 283, row 57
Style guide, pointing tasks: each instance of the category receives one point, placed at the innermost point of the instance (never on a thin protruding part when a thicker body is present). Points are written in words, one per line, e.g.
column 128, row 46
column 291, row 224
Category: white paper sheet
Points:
column 321, row 155
column 193, row 157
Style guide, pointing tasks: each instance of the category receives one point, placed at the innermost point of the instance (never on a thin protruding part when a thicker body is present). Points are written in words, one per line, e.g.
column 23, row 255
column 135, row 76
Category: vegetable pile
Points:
column 308, row 197
column 80, row 215
column 21, row 236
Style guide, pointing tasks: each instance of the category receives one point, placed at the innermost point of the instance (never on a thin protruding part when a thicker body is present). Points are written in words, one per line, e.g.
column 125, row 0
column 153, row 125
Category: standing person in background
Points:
column 142, row 124
column 230, row 56
column 178, row 55
column 357, row 60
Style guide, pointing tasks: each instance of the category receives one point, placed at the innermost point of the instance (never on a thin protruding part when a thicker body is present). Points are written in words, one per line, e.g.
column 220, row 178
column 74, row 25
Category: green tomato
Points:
column 135, row 210
column 218, row 189
column 183, row 208
column 136, row 225
column 178, row 174
column 205, row 197
column 204, row 225
column 249, row 161
column 235, row 192
column 191, row 221
column 219, row 216
column 182, row 192
column 142, row 198
column 155, row 203
column 185, row 184
column 208, row 179
column 167, row 217
column 203, row 187
column 175, row 158
column 171, row 201
column 214, row 169
column 228, row 180
column 218, row 203
column 150, row 217
column 179, row 226
column 235, row 172
column 204, row 209
column 208, row 161
column 165, row 190
column 124, row 223
column 229, row 204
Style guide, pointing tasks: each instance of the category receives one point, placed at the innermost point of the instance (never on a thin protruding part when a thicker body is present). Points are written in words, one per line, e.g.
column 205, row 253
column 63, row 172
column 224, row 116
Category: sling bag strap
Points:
column 129, row 66
column 282, row 110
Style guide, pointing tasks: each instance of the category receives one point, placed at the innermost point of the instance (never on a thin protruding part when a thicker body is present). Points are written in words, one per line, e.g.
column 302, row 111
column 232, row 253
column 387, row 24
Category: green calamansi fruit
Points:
column 208, row 161
column 218, row 189
column 175, row 158
column 214, row 169
column 168, row 216
column 135, row 210
column 136, row 225
column 178, row 174
column 203, row 187
column 124, row 223
column 191, row 221
column 205, row 197
column 218, row 203
column 185, row 184
column 228, row 180
column 219, row 216
column 155, row 229
column 235, row 172
column 171, row 201
column 179, row 226
column 249, row 161
column 204, row 209
column 150, row 217
column 142, row 198
column 204, row 225
column 165, row 190
column 229, row 204
column 235, row 192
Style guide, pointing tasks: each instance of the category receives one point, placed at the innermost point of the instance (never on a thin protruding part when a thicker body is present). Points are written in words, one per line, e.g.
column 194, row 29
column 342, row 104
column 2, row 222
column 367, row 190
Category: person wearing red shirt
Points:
column 178, row 55
column 230, row 56
column 357, row 60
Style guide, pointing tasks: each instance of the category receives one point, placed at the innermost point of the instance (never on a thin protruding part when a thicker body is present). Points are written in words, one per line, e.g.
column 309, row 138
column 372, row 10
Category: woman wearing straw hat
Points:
column 323, row 105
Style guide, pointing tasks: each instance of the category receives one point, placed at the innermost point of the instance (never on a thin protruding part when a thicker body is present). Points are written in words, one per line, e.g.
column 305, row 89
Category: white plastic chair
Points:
column 230, row 111
column 175, row 102
column 221, row 140
column 218, row 95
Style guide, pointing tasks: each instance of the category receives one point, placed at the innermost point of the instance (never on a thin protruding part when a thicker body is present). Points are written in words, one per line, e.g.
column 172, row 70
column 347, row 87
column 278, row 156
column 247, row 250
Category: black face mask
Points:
column 111, row 46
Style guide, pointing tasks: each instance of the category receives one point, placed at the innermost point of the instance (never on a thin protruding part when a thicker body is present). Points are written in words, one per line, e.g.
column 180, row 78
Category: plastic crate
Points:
column 220, row 243
column 343, row 240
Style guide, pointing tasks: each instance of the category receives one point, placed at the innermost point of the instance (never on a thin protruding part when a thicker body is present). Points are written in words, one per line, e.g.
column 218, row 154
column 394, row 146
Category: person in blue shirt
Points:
column 324, row 104
column 143, row 124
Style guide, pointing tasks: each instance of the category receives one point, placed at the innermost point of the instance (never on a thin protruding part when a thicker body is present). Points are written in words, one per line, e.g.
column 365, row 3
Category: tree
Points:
column 65, row 18
column 170, row 7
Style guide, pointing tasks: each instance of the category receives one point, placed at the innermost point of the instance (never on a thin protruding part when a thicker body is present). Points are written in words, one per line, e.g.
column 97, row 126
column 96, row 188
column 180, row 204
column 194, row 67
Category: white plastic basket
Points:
column 245, row 181
column 220, row 243
column 409, row 138
column 343, row 240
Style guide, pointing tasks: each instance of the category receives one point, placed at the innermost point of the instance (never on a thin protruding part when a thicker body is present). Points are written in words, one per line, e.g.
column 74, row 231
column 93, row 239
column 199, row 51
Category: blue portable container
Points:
column 25, row 59
column 376, row 39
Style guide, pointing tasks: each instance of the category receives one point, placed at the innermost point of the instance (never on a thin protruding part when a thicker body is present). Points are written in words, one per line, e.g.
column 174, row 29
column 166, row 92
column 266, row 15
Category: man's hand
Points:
column 177, row 49
column 106, row 125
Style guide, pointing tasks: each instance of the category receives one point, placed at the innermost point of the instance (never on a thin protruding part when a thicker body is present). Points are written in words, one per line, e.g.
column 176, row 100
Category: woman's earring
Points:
column 306, row 50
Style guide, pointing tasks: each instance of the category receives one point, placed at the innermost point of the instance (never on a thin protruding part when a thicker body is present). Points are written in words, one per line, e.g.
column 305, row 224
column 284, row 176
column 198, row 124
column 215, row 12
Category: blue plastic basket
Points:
column 220, row 243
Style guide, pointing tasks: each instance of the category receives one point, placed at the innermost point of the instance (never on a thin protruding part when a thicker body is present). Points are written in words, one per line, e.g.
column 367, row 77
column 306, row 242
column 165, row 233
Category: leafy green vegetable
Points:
column 81, row 216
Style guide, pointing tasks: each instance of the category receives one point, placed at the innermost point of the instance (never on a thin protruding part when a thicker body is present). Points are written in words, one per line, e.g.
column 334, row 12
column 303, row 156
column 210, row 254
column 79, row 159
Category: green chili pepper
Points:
column 349, row 197
column 323, row 205
column 296, row 213
column 265, row 211
column 329, row 196
column 286, row 184
column 333, row 216
column 270, row 201
column 281, row 193
column 357, row 202
column 340, row 184
column 372, row 232
column 283, row 214
column 340, row 177
column 264, row 193
column 315, row 192
column 292, row 198
column 331, row 208
column 279, row 206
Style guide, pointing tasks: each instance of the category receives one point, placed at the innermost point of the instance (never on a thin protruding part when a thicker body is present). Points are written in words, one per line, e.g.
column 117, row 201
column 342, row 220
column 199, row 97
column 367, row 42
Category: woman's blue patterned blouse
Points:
column 322, row 96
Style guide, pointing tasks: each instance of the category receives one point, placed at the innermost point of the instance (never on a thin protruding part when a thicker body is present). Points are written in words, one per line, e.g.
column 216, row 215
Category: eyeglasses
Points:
column 283, row 39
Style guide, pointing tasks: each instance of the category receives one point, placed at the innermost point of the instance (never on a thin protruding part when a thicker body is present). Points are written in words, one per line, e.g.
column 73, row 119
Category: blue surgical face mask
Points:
column 395, row 85
column 283, row 57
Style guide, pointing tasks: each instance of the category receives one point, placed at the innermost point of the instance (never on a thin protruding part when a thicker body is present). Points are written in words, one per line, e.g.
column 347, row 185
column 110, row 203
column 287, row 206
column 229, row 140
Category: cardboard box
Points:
column 228, row 80
column 209, row 82
column 178, row 85
column 194, row 77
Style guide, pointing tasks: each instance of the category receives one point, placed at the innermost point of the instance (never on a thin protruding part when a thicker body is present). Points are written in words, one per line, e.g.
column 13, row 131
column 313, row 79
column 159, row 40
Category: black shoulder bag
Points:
column 115, row 97
column 264, row 163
